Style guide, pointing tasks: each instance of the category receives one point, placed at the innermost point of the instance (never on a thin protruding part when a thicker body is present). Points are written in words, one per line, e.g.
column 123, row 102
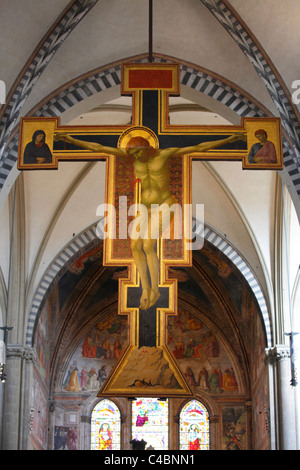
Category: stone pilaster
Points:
column 214, row 430
column 279, row 358
column 16, row 412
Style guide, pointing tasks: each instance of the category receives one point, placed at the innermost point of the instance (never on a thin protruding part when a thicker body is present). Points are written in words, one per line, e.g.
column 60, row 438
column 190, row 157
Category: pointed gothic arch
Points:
column 90, row 237
column 194, row 429
column 191, row 75
column 106, row 426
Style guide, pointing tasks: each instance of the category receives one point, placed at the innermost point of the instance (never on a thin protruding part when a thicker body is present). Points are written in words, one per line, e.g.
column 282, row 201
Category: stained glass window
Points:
column 105, row 426
column 194, row 427
column 150, row 422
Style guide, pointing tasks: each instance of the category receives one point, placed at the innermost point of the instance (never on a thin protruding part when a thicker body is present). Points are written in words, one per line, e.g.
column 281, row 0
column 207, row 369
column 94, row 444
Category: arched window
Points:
column 106, row 426
column 194, row 427
column 150, row 422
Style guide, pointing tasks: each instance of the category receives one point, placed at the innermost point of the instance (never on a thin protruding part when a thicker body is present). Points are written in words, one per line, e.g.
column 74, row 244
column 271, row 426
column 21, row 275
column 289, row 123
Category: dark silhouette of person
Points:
column 37, row 151
column 138, row 445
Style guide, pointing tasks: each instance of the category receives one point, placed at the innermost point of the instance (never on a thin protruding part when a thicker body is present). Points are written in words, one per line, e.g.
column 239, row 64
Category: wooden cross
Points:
column 150, row 86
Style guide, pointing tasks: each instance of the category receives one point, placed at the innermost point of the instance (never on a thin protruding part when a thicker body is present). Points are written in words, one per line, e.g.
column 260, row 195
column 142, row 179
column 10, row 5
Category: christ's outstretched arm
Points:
column 92, row 146
column 202, row 147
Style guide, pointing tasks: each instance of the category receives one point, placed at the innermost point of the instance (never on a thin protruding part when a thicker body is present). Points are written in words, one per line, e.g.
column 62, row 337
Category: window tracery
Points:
column 106, row 426
column 194, row 426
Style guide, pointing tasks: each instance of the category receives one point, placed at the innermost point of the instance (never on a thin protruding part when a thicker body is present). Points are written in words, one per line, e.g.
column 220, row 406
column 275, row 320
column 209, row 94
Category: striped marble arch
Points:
column 89, row 237
column 245, row 39
column 29, row 76
column 65, row 24
column 197, row 78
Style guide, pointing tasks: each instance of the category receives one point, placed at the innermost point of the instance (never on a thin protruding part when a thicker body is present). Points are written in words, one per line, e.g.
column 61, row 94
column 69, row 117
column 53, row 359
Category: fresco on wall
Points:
column 147, row 370
column 200, row 355
column 70, row 280
column 259, row 345
column 96, row 355
column 41, row 345
column 65, row 438
column 260, row 398
column 234, row 420
column 39, row 415
column 261, row 414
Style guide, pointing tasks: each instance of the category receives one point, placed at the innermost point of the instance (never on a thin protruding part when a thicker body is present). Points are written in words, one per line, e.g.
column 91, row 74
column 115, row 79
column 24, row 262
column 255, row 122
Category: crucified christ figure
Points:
column 151, row 167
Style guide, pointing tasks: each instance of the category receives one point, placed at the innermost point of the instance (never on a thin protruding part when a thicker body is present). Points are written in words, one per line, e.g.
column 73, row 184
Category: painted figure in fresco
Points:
column 60, row 436
column 118, row 349
column 203, row 379
column 263, row 151
column 92, row 382
column 102, row 375
column 234, row 428
column 89, row 349
column 73, row 382
column 229, row 380
column 179, row 347
column 83, row 377
column 189, row 350
column 151, row 168
column 190, row 376
column 213, row 380
column 71, row 439
column 37, row 151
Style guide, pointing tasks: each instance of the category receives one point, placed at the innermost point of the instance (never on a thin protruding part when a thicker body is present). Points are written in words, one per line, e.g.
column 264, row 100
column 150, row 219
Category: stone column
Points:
column 16, row 412
column 85, row 433
column 284, row 397
column 28, row 359
column 15, row 386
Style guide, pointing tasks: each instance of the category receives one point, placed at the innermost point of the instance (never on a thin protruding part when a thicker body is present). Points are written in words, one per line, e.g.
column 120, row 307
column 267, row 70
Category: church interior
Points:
column 233, row 340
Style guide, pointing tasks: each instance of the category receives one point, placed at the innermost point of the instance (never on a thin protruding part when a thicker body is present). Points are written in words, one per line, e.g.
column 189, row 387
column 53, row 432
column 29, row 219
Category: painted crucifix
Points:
column 151, row 170
column 155, row 158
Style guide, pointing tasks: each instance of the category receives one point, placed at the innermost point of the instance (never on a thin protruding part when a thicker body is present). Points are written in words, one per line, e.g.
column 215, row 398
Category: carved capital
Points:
column 16, row 351
column 278, row 352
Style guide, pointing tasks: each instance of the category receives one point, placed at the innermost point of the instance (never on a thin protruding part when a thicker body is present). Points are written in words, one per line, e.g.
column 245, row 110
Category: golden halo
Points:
column 138, row 131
